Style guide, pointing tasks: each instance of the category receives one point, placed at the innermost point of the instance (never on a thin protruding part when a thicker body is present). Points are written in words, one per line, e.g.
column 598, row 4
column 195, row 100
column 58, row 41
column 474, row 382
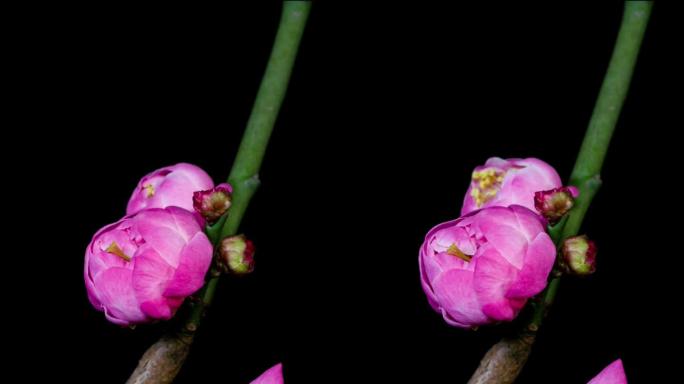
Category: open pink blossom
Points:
column 481, row 268
column 273, row 375
column 171, row 186
column 140, row 268
column 612, row 374
column 504, row 182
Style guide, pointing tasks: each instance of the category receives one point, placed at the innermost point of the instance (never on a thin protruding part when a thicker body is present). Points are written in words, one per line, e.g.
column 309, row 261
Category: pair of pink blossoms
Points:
column 612, row 374
column 482, row 267
column 141, row 268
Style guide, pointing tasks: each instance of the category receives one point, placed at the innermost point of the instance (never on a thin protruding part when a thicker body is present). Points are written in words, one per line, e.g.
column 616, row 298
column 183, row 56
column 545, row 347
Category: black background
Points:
column 389, row 109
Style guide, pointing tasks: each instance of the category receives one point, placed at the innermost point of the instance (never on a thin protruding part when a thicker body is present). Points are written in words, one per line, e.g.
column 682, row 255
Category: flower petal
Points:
column 194, row 263
column 425, row 280
column 273, row 375
column 612, row 374
column 178, row 187
column 530, row 224
column 159, row 230
column 117, row 297
column 151, row 275
column 501, row 231
column 539, row 259
column 454, row 292
column 493, row 274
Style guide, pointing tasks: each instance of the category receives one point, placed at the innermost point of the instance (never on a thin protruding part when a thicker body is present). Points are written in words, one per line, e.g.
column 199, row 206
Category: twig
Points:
column 164, row 359
column 505, row 360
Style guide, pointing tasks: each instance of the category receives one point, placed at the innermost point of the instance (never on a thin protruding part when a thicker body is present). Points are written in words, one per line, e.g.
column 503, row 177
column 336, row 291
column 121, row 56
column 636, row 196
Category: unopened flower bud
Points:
column 236, row 255
column 555, row 203
column 213, row 203
column 465, row 269
column 505, row 182
column 579, row 255
column 171, row 186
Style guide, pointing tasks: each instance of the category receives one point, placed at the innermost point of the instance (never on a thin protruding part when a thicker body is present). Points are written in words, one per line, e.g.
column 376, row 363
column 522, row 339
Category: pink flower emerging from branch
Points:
column 171, row 186
column 141, row 268
column 213, row 203
column 482, row 267
column 555, row 203
column 612, row 374
column 504, row 182
column 273, row 375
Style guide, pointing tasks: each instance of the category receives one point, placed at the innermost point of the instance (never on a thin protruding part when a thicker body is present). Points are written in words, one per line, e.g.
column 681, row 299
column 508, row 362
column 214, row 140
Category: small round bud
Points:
column 236, row 255
column 213, row 203
column 579, row 255
column 555, row 203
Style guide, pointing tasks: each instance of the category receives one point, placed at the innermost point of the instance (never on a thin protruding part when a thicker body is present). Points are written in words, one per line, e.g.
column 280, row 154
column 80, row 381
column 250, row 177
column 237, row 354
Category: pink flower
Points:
column 171, row 186
column 612, row 374
column 509, row 182
column 140, row 268
column 482, row 267
column 274, row 375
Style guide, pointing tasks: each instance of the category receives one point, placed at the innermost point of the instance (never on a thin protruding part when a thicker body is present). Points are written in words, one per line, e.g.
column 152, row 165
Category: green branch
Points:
column 504, row 361
column 162, row 361
column 244, row 176
column 586, row 175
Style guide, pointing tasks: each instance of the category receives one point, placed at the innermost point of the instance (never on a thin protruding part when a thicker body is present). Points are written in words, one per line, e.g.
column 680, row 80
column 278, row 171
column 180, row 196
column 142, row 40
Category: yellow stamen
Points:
column 454, row 251
column 149, row 190
column 487, row 184
column 115, row 250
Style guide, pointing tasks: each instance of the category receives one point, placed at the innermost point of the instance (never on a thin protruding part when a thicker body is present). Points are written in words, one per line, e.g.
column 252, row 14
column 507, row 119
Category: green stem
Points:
column 586, row 173
column 244, row 176
column 613, row 92
column 547, row 299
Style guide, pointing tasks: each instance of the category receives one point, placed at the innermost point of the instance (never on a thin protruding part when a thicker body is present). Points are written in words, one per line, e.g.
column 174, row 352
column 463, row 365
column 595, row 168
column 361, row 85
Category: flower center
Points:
column 115, row 250
column 149, row 190
column 486, row 185
column 219, row 201
column 454, row 251
column 561, row 202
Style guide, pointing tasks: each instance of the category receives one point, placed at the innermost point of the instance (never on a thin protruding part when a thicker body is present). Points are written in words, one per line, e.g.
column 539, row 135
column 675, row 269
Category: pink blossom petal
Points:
column 273, row 375
column 469, row 203
column 454, row 290
column 500, row 227
column 186, row 222
column 116, row 295
column 194, row 264
column 540, row 171
column 99, row 258
column 493, row 274
column 427, row 288
column 150, row 277
column 529, row 222
column 522, row 178
column 539, row 260
column 170, row 186
column 178, row 187
column 612, row 374
column 160, row 232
